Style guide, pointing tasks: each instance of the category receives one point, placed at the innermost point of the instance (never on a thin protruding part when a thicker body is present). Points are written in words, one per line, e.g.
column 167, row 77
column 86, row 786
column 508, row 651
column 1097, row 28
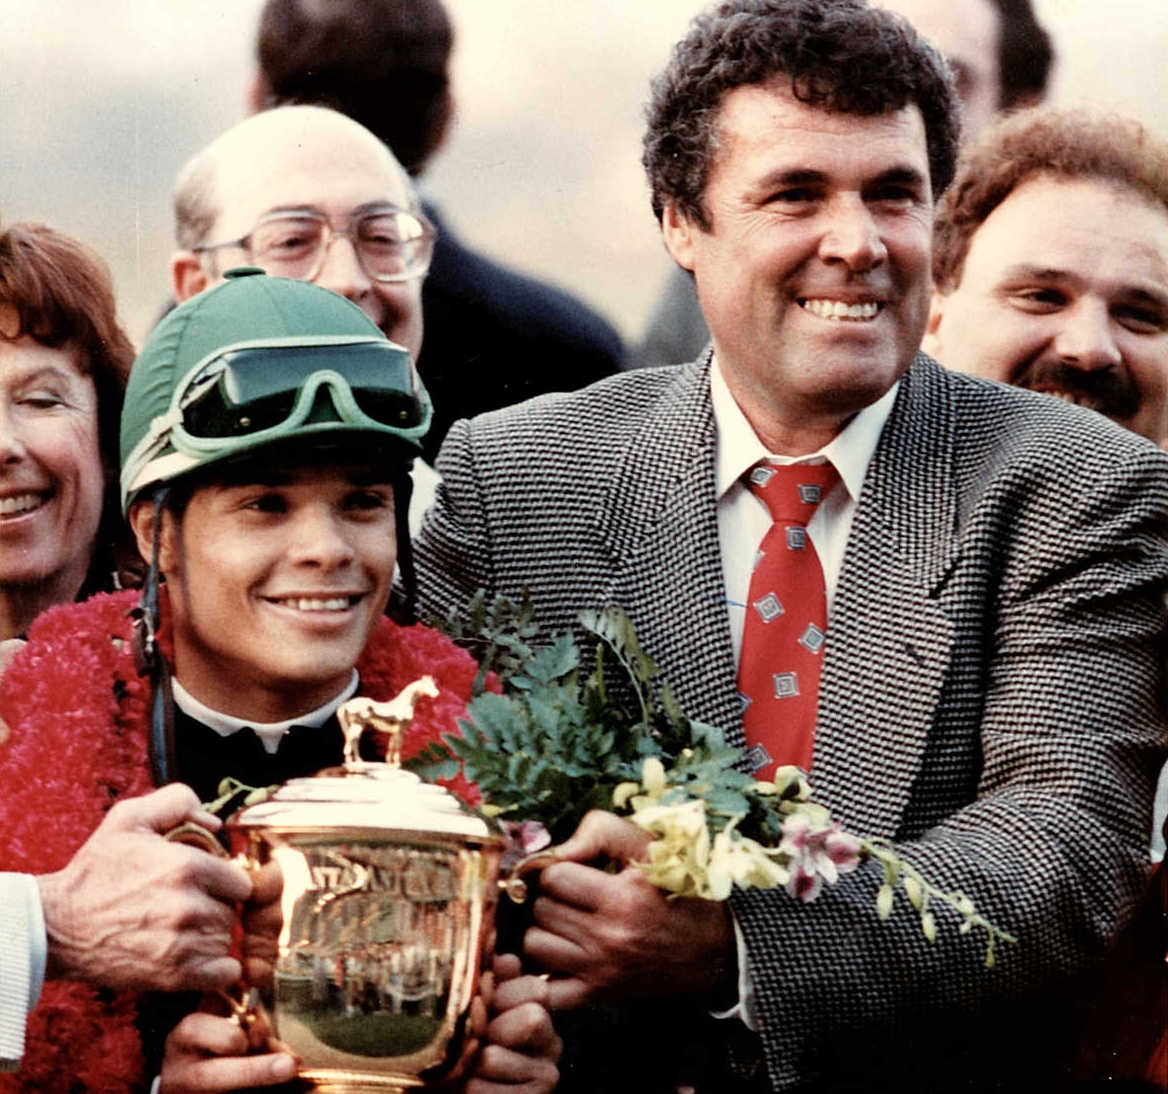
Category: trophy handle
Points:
column 242, row 1001
column 195, row 835
column 514, row 885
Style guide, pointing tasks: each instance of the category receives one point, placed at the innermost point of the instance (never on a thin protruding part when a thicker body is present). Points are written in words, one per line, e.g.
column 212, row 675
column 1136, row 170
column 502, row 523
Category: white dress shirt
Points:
column 743, row 521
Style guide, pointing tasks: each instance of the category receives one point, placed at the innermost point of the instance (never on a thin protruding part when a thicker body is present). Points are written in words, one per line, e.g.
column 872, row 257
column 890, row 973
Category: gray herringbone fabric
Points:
column 992, row 696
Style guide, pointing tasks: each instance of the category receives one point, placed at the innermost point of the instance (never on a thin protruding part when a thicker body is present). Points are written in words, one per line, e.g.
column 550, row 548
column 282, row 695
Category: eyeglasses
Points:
column 391, row 244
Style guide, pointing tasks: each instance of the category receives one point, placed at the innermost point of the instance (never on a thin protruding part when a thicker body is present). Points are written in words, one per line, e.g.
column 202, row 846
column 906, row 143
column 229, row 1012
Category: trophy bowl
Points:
column 388, row 894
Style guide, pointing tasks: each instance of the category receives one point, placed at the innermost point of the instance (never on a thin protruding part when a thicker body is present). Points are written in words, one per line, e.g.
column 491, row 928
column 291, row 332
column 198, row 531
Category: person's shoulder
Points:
column 594, row 417
column 527, row 308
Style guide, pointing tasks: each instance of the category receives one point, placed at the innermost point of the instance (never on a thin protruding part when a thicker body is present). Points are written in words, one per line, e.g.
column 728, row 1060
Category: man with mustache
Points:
column 1051, row 265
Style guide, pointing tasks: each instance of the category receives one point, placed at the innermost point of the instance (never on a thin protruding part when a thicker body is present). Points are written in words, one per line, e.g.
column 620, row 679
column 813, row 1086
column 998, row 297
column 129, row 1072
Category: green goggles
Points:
column 252, row 395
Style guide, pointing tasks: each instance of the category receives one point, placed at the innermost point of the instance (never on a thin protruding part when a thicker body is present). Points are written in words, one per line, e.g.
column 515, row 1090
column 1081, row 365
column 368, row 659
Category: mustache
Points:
column 1107, row 390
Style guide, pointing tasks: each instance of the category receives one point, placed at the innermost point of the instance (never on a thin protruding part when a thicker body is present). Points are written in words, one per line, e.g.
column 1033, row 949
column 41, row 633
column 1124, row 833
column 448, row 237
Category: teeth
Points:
column 21, row 503
column 837, row 309
column 317, row 604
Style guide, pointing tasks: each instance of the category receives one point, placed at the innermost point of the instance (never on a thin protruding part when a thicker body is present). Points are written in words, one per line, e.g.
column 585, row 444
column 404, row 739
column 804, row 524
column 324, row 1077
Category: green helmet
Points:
column 258, row 361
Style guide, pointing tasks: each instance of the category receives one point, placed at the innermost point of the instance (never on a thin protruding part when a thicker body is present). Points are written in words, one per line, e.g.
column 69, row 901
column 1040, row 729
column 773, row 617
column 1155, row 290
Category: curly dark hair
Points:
column 838, row 54
column 1057, row 143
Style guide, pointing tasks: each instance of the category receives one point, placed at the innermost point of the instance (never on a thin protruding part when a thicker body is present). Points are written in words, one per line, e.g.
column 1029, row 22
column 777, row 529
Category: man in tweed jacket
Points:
column 991, row 695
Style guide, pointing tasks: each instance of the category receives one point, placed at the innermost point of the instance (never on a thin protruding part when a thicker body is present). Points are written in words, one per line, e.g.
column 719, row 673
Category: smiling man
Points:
column 920, row 623
column 1051, row 265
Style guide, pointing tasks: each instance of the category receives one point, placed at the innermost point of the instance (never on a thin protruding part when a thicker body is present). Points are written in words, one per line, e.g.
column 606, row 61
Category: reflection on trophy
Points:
column 387, row 899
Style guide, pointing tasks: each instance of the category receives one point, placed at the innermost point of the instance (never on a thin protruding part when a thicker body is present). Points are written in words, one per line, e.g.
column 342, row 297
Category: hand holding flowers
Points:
column 557, row 744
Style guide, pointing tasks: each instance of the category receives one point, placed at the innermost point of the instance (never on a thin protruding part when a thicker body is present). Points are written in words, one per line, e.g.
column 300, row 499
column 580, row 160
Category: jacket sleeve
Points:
column 453, row 552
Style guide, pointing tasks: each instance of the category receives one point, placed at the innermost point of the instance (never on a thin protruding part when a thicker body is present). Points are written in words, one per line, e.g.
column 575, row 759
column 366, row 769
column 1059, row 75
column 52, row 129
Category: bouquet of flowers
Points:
column 562, row 739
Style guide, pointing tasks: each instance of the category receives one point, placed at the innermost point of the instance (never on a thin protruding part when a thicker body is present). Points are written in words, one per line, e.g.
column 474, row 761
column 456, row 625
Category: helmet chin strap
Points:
column 403, row 600
column 149, row 661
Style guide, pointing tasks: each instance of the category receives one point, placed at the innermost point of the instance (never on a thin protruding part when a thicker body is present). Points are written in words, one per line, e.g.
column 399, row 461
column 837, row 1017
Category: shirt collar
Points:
column 850, row 450
column 225, row 724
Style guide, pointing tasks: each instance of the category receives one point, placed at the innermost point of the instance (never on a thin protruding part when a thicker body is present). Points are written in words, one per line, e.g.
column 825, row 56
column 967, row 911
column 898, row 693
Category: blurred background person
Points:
column 1050, row 265
column 493, row 336
column 306, row 192
column 1001, row 59
column 63, row 366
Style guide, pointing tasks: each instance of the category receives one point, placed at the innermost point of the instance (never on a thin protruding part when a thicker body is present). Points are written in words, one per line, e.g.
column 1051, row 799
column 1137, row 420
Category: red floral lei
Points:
column 78, row 714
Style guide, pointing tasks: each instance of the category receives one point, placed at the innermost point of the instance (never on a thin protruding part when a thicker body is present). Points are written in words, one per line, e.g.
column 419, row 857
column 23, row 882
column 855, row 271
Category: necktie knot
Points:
column 791, row 492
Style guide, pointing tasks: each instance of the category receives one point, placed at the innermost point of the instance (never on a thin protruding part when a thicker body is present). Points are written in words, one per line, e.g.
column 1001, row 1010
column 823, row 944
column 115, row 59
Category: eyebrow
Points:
column 805, row 176
column 51, row 372
column 1052, row 275
column 356, row 211
column 1026, row 271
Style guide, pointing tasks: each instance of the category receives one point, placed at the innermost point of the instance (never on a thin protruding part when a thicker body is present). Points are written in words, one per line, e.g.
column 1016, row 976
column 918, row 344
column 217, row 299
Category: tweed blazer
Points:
column 991, row 696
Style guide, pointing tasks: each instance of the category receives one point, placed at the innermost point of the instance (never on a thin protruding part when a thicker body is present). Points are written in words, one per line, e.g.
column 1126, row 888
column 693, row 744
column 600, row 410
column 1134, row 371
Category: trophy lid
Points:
column 367, row 796
column 372, row 797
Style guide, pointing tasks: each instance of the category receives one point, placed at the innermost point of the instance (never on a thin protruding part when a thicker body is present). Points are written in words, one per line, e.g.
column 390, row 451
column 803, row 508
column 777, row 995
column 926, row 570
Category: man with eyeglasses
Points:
column 307, row 193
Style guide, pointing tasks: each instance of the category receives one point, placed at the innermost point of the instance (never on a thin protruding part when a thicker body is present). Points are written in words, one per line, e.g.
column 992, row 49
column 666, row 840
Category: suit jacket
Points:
column 991, row 695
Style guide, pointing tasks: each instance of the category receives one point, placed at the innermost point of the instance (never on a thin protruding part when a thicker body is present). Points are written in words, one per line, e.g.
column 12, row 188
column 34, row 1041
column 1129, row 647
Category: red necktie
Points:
column 786, row 620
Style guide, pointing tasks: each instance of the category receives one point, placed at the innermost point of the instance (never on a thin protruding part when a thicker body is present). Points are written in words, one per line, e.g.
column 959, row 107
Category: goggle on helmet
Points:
column 254, row 394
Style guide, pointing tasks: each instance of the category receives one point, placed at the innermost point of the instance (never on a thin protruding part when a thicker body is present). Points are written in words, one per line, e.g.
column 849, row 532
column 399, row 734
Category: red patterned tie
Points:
column 786, row 620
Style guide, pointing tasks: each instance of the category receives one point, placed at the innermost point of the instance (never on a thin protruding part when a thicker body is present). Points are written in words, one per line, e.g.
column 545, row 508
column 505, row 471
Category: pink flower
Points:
column 816, row 855
column 523, row 838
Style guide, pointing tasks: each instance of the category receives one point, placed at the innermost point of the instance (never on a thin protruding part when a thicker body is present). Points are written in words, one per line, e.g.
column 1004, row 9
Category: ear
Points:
column 931, row 343
column 142, row 525
column 680, row 234
column 187, row 275
column 255, row 95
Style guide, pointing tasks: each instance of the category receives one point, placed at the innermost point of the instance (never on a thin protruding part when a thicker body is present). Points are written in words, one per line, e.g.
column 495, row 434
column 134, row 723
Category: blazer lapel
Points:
column 889, row 639
column 660, row 528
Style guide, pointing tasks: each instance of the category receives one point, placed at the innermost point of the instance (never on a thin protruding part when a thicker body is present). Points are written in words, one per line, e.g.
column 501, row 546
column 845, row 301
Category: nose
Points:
column 12, row 449
column 1085, row 338
column 341, row 270
column 851, row 235
column 319, row 540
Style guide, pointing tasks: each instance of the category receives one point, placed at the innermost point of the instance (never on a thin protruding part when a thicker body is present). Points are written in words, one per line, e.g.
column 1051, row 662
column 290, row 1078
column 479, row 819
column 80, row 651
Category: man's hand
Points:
column 133, row 910
column 521, row 1044
column 206, row 1054
column 615, row 936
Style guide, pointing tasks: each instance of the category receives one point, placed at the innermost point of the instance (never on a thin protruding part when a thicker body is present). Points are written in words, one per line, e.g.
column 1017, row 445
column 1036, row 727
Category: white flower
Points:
column 679, row 856
column 738, row 860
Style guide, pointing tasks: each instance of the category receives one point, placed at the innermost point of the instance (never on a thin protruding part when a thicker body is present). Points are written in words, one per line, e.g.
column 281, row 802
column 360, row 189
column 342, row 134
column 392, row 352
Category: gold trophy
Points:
column 389, row 887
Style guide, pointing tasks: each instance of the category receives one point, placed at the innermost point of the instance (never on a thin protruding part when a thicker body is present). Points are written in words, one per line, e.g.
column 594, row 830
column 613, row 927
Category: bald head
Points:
column 294, row 158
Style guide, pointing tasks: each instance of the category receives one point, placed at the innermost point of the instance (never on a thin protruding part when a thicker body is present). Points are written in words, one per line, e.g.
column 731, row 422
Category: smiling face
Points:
column 51, row 478
column 814, row 273
column 1065, row 290
column 276, row 586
